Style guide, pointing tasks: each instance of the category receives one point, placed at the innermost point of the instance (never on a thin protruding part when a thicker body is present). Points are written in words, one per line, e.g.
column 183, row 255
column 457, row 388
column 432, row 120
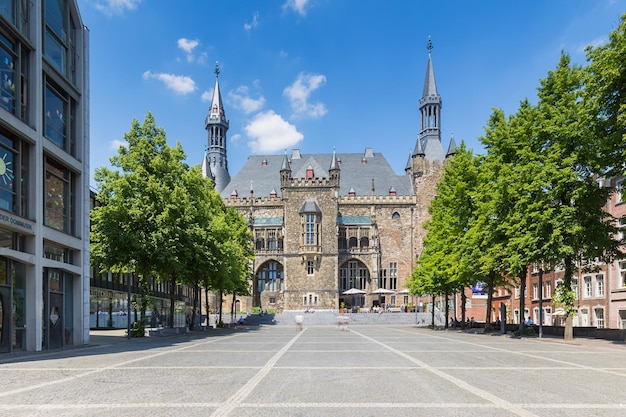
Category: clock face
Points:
column 6, row 168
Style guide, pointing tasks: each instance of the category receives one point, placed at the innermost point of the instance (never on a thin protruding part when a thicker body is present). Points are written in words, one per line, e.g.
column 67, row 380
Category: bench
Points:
column 394, row 310
column 364, row 310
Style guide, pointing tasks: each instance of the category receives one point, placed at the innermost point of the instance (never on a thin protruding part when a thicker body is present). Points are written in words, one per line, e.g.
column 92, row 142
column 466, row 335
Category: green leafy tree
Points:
column 578, row 227
column 442, row 267
column 130, row 225
column 605, row 98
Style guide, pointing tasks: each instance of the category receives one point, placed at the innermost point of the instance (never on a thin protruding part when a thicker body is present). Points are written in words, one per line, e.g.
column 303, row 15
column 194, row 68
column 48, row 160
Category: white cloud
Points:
column 180, row 84
column 269, row 133
column 116, row 143
column 594, row 43
column 297, row 6
column 207, row 96
column 112, row 7
column 235, row 138
column 241, row 100
column 299, row 93
column 253, row 24
column 188, row 45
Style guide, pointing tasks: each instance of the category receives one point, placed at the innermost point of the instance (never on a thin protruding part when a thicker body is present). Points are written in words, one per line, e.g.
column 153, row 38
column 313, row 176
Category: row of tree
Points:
column 538, row 195
column 158, row 218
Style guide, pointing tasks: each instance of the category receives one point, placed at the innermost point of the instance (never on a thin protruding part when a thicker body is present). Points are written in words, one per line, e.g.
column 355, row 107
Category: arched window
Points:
column 269, row 277
column 395, row 216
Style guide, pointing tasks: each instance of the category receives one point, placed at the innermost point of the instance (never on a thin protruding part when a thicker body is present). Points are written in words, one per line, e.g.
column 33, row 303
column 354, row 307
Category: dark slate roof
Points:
column 354, row 174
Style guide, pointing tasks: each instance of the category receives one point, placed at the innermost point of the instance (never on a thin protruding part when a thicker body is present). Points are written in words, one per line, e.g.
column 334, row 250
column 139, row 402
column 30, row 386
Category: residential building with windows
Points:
column 44, row 175
column 325, row 224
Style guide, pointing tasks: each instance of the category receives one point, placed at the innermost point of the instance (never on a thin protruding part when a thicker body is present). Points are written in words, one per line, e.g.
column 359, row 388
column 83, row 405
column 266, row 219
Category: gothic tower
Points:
column 215, row 164
column 429, row 139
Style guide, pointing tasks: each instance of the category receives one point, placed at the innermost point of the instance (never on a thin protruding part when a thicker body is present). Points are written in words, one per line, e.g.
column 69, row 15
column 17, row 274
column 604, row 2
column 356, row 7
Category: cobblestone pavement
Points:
column 320, row 371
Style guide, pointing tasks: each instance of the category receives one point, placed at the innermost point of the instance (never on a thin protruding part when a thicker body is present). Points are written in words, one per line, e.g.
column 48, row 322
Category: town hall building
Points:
column 337, row 228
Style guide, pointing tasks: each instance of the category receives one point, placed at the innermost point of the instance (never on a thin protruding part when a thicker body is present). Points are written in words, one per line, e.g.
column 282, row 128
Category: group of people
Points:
column 468, row 324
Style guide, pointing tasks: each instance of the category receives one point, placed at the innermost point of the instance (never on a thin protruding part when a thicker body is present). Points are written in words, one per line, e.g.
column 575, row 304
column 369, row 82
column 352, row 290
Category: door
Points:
column 5, row 319
column 55, row 321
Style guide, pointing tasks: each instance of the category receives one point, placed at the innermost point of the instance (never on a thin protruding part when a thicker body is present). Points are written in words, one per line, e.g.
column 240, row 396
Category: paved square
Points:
column 320, row 371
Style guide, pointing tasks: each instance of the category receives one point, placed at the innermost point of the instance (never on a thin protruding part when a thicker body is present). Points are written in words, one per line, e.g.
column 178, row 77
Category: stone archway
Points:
column 269, row 280
column 353, row 274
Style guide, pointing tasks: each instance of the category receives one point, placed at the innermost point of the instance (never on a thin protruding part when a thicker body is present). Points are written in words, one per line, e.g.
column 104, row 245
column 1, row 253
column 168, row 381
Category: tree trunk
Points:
column 432, row 313
column 490, row 280
column 568, row 333
column 445, row 325
column 521, row 302
column 170, row 318
column 463, row 302
column 220, row 306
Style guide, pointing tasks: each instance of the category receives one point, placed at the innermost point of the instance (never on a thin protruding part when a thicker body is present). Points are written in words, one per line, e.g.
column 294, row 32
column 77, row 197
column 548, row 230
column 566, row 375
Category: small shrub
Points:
column 138, row 329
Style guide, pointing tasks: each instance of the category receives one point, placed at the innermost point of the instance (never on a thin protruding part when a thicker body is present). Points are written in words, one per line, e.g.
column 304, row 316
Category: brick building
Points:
column 324, row 224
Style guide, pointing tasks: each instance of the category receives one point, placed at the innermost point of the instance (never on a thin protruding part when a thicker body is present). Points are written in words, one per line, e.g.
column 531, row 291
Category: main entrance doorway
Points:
column 56, row 320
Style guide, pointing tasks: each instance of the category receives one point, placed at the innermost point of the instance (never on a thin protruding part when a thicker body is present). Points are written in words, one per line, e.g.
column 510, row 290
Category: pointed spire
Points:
column 217, row 107
column 430, row 87
column 419, row 150
column 333, row 162
column 451, row 147
column 206, row 170
column 409, row 162
column 285, row 166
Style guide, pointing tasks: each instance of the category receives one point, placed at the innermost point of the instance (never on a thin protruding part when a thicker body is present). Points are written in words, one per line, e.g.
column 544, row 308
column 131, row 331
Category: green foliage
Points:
column 160, row 218
column 444, row 264
column 535, row 196
column 565, row 297
column 605, row 97
column 138, row 328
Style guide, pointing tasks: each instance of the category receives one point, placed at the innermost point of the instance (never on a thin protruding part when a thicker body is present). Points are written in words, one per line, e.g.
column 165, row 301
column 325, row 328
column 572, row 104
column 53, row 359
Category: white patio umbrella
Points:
column 404, row 291
column 354, row 291
column 382, row 291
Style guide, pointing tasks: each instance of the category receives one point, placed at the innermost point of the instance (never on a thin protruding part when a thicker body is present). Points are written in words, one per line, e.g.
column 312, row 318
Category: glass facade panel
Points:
column 57, row 198
column 7, row 74
column 55, row 48
column 55, row 125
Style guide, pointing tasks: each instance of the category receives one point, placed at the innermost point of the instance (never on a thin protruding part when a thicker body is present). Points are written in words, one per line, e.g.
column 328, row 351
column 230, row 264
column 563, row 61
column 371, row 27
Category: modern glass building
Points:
column 44, row 175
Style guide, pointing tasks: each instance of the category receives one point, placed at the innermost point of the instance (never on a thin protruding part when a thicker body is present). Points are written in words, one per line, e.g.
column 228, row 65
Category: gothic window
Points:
column 271, row 239
column 269, row 277
column 341, row 240
column 309, row 229
column 353, row 274
column 395, row 216
column 393, row 275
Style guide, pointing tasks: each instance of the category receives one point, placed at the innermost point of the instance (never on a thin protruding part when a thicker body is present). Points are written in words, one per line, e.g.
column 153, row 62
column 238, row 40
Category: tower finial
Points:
column 430, row 45
column 217, row 69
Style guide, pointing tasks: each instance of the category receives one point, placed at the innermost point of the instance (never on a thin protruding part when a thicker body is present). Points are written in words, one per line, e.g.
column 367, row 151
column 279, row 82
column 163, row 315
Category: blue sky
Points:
column 322, row 74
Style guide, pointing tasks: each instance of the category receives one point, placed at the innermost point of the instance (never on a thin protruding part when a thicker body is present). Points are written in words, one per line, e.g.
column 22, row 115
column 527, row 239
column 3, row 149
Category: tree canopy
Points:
column 159, row 218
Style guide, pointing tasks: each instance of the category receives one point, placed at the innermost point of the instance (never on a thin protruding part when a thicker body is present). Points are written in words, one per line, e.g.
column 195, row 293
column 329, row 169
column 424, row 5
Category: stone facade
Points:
column 327, row 224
